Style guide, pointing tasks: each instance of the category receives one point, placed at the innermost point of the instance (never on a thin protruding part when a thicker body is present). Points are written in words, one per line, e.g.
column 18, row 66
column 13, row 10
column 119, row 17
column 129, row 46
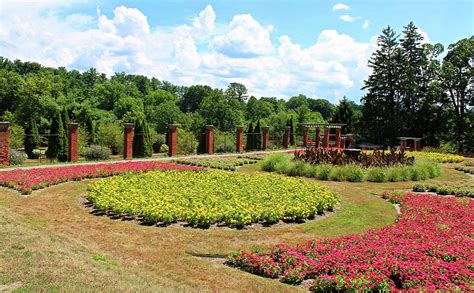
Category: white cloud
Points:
column 426, row 38
column 244, row 38
column 340, row 6
column 366, row 24
column 349, row 18
column 204, row 23
column 191, row 53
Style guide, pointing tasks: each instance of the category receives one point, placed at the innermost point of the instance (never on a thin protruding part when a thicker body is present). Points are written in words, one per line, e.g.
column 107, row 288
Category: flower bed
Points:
column 465, row 169
column 27, row 180
column 438, row 157
column 206, row 197
column 429, row 248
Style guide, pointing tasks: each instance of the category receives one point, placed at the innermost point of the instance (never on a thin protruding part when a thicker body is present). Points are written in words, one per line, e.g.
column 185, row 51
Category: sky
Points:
column 276, row 48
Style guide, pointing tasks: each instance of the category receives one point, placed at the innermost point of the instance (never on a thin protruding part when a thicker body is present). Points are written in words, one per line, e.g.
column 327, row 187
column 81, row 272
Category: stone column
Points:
column 265, row 137
column 172, row 139
column 318, row 137
column 128, row 140
column 4, row 143
column 72, row 146
column 326, row 137
column 338, row 138
column 209, row 143
column 286, row 138
column 239, row 139
column 305, row 137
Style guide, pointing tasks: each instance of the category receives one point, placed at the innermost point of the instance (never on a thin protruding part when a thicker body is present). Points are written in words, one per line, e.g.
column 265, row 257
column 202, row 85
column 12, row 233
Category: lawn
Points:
column 48, row 241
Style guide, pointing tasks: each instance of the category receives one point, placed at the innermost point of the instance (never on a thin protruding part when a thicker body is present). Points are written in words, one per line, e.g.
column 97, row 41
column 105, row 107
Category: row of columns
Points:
column 172, row 140
column 339, row 140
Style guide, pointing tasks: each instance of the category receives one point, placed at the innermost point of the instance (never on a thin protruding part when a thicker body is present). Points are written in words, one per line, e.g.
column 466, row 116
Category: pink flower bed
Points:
column 430, row 247
column 28, row 180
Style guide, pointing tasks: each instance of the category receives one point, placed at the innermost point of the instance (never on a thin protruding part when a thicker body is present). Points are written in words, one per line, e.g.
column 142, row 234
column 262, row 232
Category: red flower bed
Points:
column 429, row 248
column 28, row 180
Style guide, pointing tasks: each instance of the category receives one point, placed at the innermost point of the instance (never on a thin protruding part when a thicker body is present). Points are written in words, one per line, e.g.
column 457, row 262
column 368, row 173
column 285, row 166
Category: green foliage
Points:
column 15, row 157
column 96, row 153
column 17, row 136
column 111, row 136
column 272, row 163
column 57, row 139
column 344, row 114
column 142, row 145
column 32, row 138
column 186, row 143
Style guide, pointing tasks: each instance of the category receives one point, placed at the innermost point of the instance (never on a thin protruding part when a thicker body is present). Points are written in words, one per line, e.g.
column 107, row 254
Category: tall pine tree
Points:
column 249, row 143
column 32, row 138
column 344, row 114
column 258, row 136
column 57, row 140
column 142, row 146
column 381, row 105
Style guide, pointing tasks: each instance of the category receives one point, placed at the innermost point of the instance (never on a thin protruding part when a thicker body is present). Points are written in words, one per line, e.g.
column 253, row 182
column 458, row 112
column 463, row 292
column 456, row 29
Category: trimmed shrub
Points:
column 164, row 148
column 376, row 174
column 353, row 173
column 15, row 157
column 96, row 153
column 323, row 171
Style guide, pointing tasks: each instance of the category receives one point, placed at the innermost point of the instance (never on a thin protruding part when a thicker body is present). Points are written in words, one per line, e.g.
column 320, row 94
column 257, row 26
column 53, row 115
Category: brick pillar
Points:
column 172, row 139
column 209, row 143
column 338, row 138
column 265, row 137
column 305, row 137
column 326, row 137
column 318, row 137
column 239, row 139
column 4, row 143
column 128, row 140
column 286, row 138
column 72, row 146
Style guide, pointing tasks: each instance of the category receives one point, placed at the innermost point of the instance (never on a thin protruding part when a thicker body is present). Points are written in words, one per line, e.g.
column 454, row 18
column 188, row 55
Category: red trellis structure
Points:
column 324, row 129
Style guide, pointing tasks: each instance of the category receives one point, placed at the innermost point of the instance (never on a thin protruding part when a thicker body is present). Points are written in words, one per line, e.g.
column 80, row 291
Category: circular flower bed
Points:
column 202, row 198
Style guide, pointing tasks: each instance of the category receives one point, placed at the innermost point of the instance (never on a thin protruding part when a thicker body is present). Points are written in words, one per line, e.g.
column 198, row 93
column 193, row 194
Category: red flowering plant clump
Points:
column 27, row 180
column 430, row 247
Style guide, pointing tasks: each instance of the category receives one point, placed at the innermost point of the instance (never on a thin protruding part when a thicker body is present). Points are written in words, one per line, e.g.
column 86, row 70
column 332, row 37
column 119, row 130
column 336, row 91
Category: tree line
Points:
column 410, row 92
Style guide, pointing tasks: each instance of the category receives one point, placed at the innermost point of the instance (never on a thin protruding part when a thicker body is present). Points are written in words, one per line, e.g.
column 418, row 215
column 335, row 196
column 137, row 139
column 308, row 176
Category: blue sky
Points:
column 276, row 48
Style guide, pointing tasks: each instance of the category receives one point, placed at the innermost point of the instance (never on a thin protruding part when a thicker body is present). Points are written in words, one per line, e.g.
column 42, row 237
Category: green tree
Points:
column 237, row 91
column 381, row 104
column 32, row 138
column 456, row 79
column 322, row 106
column 221, row 111
column 257, row 141
column 57, row 140
column 344, row 114
column 193, row 97
column 142, row 144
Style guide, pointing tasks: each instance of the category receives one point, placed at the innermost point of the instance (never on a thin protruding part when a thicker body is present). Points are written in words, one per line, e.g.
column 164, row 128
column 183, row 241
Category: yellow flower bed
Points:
column 438, row 157
column 202, row 198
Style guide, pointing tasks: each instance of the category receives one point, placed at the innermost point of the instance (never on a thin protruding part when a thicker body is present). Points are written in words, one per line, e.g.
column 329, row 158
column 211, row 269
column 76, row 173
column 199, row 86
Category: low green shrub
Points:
column 446, row 189
column 323, row 171
column 15, row 157
column 96, row 153
column 376, row 174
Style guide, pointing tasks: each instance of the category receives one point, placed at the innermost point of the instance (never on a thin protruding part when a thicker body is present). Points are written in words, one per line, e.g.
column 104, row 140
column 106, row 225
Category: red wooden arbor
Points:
column 338, row 142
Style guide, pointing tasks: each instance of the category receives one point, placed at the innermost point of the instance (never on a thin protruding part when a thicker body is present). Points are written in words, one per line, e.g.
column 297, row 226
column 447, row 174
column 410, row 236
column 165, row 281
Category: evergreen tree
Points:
column 258, row 136
column 414, row 79
column 381, row 105
column 32, row 138
column 249, row 144
column 344, row 114
column 57, row 148
column 90, row 129
column 66, row 123
column 142, row 146
column 292, row 132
